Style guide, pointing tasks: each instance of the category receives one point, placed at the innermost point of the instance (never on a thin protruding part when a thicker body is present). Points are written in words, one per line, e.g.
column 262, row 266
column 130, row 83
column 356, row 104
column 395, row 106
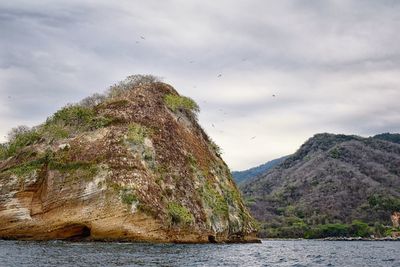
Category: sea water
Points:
column 269, row 253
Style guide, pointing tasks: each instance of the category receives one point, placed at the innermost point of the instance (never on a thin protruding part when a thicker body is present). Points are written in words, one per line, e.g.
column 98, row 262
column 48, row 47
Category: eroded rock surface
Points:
column 149, row 174
column 396, row 219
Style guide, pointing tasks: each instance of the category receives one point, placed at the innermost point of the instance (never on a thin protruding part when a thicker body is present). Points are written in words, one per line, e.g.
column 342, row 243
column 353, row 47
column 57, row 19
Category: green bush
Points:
column 100, row 122
column 127, row 196
column 384, row 203
column 17, row 131
column 93, row 100
column 3, row 151
column 296, row 228
column 176, row 102
column 179, row 215
column 388, row 232
column 68, row 166
column 328, row 230
column 18, row 142
column 379, row 229
column 214, row 200
column 215, row 148
column 361, row 229
column 75, row 169
column 72, row 119
column 334, row 153
column 72, row 115
column 77, row 118
column 54, row 131
column 131, row 82
column 294, row 231
column 27, row 168
column 136, row 133
column 116, row 103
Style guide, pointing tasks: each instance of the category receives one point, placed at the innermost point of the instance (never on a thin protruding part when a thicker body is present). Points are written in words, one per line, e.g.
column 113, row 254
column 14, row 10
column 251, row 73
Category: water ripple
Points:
column 296, row 253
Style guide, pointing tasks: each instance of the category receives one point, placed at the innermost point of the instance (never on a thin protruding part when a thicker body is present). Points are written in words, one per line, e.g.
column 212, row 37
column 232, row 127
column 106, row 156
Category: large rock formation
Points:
column 132, row 165
column 330, row 179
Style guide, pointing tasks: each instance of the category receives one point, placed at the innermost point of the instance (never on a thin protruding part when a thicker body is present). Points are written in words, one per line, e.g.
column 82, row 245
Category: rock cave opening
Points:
column 212, row 239
column 74, row 232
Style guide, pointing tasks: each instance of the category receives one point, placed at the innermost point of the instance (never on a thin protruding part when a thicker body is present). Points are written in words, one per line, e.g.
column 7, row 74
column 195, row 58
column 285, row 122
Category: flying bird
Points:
column 273, row 95
column 219, row 75
column 213, row 125
column 142, row 37
column 254, row 137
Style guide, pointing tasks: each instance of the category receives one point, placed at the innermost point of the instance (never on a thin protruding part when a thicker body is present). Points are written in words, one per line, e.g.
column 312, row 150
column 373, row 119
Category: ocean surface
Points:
column 269, row 253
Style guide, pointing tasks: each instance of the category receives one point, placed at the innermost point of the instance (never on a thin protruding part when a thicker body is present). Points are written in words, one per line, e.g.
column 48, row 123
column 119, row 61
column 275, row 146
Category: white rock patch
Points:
column 134, row 206
column 16, row 210
column 97, row 185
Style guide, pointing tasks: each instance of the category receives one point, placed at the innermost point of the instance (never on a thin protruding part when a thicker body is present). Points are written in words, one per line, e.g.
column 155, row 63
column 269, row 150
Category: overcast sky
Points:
column 333, row 66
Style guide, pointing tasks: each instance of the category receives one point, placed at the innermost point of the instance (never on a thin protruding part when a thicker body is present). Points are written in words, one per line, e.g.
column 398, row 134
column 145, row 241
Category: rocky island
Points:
column 132, row 164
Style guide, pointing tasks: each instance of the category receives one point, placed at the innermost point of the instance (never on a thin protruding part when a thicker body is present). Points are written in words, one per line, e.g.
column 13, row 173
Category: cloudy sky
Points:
column 333, row 66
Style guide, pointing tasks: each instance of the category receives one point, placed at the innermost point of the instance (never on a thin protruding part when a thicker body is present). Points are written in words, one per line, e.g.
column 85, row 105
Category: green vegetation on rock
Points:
column 3, row 151
column 54, row 131
column 69, row 120
column 216, row 148
column 26, row 168
column 72, row 115
column 130, row 83
column 384, row 203
column 179, row 215
column 176, row 102
column 128, row 196
column 70, row 166
column 143, row 161
column 76, row 118
column 214, row 200
column 73, row 169
column 136, row 133
column 17, row 141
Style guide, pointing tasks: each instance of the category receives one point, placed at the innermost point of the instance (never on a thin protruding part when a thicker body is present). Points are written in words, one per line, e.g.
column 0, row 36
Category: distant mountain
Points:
column 395, row 138
column 242, row 176
column 332, row 185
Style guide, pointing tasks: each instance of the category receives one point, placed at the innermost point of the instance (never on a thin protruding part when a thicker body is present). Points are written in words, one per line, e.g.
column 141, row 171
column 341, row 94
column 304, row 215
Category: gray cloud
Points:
column 334, row 66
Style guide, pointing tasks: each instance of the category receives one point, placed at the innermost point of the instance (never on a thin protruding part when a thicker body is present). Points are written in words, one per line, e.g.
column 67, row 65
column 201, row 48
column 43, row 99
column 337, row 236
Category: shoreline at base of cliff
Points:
column 335, row 239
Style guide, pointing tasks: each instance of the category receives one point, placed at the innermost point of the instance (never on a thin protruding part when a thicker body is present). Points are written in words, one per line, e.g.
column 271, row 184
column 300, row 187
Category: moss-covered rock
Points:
column 130, row 165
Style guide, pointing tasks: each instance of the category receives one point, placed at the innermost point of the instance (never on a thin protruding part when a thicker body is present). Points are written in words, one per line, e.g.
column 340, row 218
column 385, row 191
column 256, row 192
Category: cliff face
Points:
column 330, row 179
column 395, row 219
column 133, row 166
